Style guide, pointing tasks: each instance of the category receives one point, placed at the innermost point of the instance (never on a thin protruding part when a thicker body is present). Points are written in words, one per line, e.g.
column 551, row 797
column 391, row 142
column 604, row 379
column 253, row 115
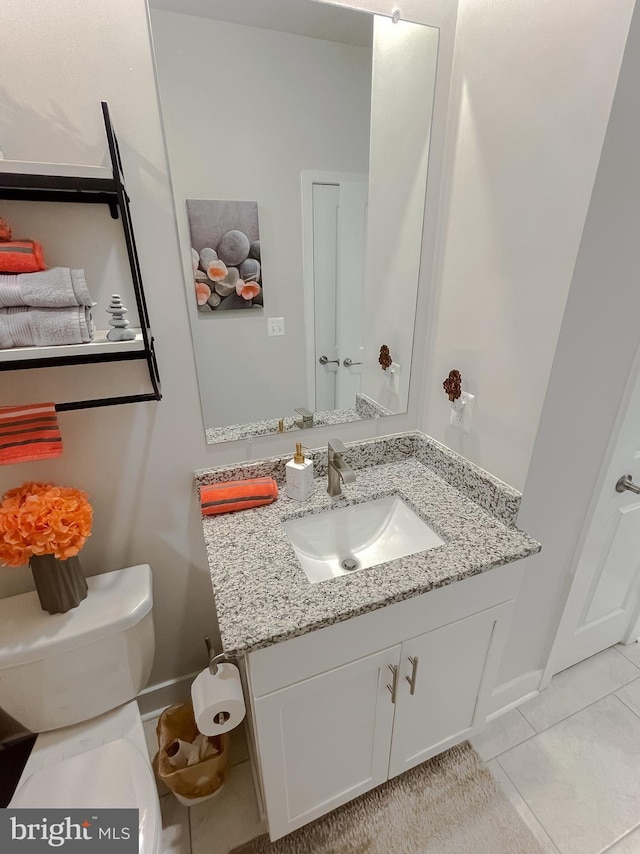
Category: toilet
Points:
column 73, row 678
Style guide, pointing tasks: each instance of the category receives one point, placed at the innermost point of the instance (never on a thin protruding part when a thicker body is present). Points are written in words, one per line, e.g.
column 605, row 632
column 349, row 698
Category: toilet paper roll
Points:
column 218, row 704
column 180, row 754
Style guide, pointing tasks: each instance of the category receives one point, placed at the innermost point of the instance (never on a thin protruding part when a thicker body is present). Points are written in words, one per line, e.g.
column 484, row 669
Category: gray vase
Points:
column 61, row 584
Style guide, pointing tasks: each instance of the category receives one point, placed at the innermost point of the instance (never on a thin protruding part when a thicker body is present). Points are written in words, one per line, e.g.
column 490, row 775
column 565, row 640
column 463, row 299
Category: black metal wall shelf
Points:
column 59, row 188
column 28, row 186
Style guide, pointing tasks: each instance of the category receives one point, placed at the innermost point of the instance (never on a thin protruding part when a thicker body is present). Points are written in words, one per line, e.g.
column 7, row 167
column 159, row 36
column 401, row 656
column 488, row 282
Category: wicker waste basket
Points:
column 198, row 782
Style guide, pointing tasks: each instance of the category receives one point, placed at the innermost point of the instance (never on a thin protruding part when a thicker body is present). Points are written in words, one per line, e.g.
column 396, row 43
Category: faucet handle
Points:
column 337, row 446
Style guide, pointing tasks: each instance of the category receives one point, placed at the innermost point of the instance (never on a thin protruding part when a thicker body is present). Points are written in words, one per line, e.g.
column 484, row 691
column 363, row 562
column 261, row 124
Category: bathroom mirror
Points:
column 292, row 107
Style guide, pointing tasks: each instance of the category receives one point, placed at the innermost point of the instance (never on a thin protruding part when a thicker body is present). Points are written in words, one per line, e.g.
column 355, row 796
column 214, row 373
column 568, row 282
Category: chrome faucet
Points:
column 337, row 469
column 306, row 419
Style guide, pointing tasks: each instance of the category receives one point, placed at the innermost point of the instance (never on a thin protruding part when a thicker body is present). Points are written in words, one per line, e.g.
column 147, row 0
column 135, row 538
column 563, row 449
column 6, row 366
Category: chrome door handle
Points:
column 414, row 674
column 348, row 362
column 626, row 483
column 393, row 688
column 325, row 360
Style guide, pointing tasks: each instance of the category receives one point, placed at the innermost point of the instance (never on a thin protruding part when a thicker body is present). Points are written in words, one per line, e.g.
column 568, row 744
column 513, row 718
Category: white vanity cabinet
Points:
column 327, row 722
column 448, row 670
column 325, row 740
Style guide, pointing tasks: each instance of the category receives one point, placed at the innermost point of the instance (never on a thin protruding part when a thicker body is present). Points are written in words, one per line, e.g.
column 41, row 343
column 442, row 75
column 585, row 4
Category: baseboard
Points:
column 512, row 694
column 153, row 699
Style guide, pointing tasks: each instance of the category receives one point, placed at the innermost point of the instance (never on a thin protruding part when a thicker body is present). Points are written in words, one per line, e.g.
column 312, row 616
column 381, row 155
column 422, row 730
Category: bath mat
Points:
column 448, row 805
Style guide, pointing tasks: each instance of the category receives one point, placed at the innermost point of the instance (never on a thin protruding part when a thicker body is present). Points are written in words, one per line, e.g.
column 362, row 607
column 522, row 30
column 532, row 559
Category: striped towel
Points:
column 29, row 433
column 237, row 495
column 21, row 256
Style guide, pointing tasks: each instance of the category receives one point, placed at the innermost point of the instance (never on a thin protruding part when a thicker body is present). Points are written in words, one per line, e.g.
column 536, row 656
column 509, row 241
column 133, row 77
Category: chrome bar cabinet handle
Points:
column 393, row 688
column 325, row 360
column 348, row 362
column 413, row 661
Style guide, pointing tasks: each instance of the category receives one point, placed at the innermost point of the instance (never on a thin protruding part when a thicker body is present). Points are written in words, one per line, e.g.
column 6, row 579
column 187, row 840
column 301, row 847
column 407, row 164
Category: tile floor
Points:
column 569, row 761
column 217, row 826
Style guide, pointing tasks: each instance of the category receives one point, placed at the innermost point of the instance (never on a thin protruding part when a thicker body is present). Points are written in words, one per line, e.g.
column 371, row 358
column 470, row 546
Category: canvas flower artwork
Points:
column 225, row 254
column 42, row 518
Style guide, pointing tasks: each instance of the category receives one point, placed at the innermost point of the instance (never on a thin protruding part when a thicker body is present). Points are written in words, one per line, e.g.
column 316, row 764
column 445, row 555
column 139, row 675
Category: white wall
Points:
column 136, row 461
column 245, row 111
column 534, row 82
column 599, row 339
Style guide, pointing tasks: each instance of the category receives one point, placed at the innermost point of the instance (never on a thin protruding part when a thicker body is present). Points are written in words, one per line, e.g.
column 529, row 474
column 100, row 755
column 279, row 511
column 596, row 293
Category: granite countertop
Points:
column 365, row 408
column 331, row 417
column 262, row 593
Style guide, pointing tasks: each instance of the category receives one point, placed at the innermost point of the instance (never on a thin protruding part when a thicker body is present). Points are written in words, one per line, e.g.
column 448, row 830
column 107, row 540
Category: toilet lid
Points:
column 113, row 775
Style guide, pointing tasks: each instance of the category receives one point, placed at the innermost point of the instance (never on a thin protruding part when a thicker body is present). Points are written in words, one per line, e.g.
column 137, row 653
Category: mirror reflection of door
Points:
column 336, row 204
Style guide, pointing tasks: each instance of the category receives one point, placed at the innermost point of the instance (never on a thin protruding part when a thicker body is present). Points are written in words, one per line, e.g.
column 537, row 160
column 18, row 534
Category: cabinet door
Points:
column 454, row 671
column 325, row 740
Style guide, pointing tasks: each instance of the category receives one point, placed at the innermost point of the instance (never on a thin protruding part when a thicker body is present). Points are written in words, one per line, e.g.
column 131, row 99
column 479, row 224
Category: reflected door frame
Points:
column 348, row 332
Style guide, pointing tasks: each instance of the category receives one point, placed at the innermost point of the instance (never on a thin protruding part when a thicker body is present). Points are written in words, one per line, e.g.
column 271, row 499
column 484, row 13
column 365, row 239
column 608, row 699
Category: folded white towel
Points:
column 53, row 288
column 44, row 327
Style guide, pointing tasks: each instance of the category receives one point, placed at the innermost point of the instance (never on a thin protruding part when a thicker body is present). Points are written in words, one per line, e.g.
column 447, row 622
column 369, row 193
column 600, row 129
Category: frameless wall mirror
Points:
column 298, row 139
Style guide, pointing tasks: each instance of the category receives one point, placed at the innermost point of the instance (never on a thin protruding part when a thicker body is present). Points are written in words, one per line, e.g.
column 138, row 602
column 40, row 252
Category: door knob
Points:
column 348, row 362
column 626, row 483
column 325, row 360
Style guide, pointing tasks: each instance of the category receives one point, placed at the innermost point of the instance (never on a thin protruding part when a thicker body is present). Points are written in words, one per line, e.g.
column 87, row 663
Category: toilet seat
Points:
column 114, row 775
column 67, row 770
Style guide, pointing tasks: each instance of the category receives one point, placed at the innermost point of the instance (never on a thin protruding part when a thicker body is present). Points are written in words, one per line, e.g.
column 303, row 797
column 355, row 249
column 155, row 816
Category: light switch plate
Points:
column 462, row 412
column 275, row 325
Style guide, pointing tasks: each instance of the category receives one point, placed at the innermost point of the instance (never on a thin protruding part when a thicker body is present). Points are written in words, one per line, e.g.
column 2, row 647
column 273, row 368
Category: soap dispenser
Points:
column 299, row 476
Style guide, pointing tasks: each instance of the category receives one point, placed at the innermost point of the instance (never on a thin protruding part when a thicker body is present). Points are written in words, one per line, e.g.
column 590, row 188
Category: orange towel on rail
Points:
column 237, row 495
column 29, row 433
column 21, row 256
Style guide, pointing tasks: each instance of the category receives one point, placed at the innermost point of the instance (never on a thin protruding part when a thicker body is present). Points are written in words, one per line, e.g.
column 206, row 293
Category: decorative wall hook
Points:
column 453, row 385
column 385, row 357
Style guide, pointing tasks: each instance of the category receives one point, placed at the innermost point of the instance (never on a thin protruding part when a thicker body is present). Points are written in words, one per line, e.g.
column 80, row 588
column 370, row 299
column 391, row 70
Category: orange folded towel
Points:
column 237, row 495
column 21, row 256
column 29, row 433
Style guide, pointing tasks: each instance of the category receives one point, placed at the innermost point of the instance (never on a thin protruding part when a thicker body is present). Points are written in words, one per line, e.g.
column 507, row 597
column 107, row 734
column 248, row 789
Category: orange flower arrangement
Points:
column 40, row 519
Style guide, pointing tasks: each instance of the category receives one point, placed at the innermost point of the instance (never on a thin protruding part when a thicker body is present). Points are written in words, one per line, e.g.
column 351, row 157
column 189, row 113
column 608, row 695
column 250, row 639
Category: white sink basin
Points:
column 338, row 542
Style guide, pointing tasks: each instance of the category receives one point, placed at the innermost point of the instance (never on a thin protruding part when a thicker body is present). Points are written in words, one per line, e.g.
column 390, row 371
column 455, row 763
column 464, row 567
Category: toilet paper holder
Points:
column 216, row 659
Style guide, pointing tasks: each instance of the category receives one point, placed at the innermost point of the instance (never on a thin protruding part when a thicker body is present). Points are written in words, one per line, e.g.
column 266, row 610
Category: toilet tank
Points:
column 60, row 669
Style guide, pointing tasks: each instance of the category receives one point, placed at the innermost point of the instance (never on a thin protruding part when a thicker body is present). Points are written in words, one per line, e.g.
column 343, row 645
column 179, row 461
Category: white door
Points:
column 335, row 208
column 352, row 252
column 603, row 603
column 452, row 671
column 325, row 740
column 323, row 348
